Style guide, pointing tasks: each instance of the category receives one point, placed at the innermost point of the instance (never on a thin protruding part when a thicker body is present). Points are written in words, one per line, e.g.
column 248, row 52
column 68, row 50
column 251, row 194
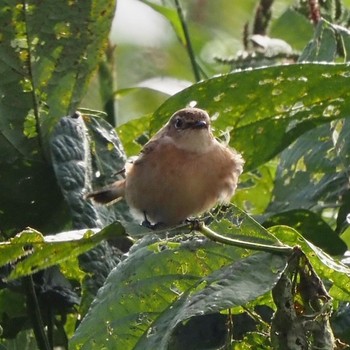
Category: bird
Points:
column 181, row 172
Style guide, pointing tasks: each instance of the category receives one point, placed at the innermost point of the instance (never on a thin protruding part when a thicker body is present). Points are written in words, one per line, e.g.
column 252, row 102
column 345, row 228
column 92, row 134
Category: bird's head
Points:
column 189, row 129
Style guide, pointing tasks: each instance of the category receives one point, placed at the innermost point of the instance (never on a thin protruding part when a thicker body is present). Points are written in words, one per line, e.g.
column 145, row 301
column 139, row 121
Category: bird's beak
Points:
column 200, row 124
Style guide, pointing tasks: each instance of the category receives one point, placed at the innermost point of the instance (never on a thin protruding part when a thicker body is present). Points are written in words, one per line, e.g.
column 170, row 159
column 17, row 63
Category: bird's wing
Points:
column 109, row 194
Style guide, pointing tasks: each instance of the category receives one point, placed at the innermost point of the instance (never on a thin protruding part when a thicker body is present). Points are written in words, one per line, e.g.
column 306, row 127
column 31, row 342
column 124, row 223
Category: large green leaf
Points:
column 163, row 283
column 266, row 109
column 160, row 283
column 48, row 51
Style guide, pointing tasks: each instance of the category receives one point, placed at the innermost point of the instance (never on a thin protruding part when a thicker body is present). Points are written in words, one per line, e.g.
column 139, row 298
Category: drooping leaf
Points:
column 327, row 268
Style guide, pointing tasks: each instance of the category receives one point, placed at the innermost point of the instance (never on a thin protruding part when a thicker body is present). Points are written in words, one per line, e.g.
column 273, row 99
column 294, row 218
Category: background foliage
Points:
column 279, row 96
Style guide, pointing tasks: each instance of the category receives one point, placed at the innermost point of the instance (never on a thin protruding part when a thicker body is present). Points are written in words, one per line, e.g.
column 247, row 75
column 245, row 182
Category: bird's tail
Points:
column 109, row 194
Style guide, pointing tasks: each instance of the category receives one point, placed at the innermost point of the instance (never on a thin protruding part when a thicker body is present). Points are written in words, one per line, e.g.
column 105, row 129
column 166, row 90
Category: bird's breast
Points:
column 171, row 184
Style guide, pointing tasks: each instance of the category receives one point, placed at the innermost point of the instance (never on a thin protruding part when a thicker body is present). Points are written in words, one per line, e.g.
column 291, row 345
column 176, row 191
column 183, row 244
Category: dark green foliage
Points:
column 47, row 54
column 176, row 288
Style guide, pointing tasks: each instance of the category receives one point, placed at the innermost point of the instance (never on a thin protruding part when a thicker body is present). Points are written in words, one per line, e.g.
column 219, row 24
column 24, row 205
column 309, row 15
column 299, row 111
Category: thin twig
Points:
column 188, row 41
column 36, row 109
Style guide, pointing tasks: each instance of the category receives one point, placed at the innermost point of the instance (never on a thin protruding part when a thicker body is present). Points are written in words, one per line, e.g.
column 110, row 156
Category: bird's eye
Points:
column 178, row 123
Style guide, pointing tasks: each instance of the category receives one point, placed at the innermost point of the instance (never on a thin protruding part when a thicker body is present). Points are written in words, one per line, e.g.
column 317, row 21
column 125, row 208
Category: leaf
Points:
column 329, row 41
column 302, row 28
column 255, row 189
column 313, row 171
column 312, row 227
column 323, row 47
column 78, row 162
column 325, row 266
column 163, row 283
column 171, row 15
column 269, row 107
column 132, row 132
column 41, row 254
column 19, row 246
column 235, row 223
column 47, row 54
column 166, row 85
column 108, row 159
column 71, row 162
column 237, row 284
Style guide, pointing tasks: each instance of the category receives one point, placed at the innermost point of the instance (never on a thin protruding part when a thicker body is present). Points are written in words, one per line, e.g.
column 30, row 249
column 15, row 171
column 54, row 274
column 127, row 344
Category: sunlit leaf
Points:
column 40, row 253
column 166, row 85
column 164, row 283
column 266, row 109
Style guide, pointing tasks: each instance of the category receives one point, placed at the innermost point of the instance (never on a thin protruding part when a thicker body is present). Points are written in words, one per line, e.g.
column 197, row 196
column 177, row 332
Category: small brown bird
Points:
column 182, row 171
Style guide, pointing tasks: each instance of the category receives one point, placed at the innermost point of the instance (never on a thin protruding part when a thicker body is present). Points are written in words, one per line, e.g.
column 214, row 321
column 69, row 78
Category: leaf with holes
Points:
column 163, row 283
column 265, row 110
column 48, row 51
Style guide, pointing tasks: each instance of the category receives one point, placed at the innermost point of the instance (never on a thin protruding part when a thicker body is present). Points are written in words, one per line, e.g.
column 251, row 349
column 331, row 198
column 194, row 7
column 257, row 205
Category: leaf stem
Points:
column 206, row 231
column 188, row 41
column 36, row 109
column 34, row 313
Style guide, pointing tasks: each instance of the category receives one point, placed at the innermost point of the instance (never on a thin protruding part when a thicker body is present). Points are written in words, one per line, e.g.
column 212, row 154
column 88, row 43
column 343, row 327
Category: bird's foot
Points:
column 146, row 223
column 194, row 223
